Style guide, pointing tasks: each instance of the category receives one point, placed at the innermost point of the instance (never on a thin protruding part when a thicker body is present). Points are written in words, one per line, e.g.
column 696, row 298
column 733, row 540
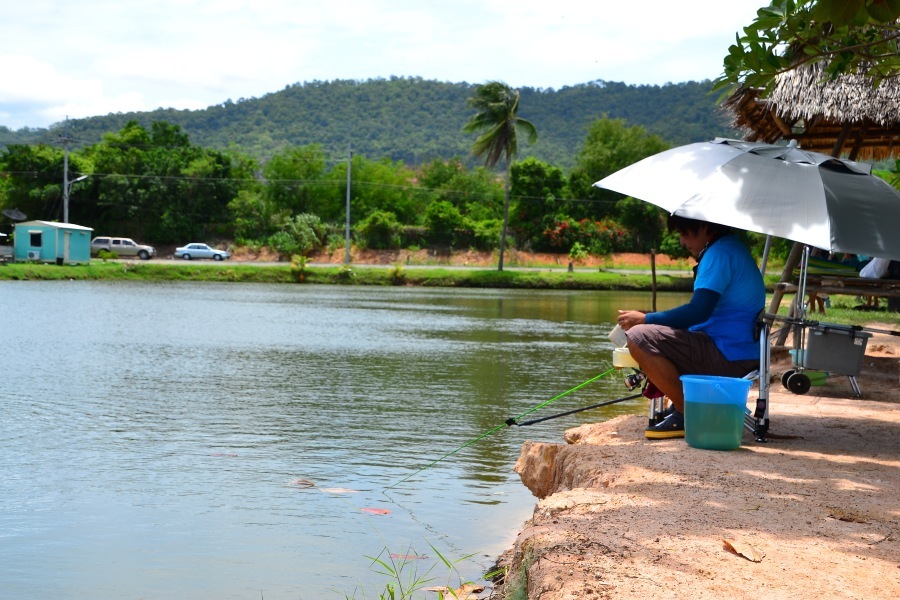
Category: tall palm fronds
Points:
column 497, row 105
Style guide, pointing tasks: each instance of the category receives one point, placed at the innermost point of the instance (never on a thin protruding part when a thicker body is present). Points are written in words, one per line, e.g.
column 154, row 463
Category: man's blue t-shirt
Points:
column 728, row 269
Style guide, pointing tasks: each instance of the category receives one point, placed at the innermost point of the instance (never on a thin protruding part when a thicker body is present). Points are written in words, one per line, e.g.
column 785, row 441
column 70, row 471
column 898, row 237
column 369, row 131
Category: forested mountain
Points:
column 412, row 119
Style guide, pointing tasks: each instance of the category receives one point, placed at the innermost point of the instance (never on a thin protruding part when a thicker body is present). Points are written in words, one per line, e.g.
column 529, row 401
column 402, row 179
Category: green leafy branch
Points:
column 848, row 36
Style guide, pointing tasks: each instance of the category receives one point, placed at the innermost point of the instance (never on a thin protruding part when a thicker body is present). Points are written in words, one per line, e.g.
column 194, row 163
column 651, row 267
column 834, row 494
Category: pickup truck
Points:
column 123, row 247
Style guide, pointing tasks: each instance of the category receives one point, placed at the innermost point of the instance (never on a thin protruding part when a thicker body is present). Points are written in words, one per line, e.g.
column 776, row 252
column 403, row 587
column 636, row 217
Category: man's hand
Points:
column 629, row 318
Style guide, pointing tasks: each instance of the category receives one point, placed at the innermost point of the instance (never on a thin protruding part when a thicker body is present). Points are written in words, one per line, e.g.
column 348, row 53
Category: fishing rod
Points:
column 793, row 321
column 512, row 422
column 864, row 328
column 507, row 423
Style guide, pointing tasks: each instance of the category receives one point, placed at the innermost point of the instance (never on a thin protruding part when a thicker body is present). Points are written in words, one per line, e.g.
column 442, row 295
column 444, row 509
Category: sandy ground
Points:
column 813, row 513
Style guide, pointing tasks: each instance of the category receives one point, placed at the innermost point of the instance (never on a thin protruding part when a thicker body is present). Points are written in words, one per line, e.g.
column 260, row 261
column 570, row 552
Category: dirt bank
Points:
column 818, row 506
column 466, row 258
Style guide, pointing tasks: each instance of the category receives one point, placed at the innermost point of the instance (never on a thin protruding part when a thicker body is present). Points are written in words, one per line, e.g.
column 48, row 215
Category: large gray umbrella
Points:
column 784, row 191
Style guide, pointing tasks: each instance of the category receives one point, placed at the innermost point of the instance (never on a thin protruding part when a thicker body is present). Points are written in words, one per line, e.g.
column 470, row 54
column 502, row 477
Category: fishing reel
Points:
column 634, row 380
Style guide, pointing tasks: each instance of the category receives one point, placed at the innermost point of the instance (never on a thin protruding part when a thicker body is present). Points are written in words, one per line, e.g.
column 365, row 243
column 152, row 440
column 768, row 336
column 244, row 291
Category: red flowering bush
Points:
column 599, row 237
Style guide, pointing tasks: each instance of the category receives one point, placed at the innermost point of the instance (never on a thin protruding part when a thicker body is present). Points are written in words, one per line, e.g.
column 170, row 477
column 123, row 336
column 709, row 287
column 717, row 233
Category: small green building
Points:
column 45, row 241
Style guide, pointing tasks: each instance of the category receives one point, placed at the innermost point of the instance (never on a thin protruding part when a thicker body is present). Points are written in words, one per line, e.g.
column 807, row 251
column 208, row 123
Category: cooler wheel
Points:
column 785, row 376
column 798, row 383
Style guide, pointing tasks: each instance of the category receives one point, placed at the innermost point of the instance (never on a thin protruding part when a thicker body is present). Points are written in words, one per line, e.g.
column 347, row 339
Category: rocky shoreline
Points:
column 813, row 513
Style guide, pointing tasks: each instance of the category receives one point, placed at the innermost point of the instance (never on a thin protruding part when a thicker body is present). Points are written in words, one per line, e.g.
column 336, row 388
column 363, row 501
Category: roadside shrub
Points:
column 251, row 245
column 414, row 237
column 442, row 220
column 336, row 241
column 645, row 223
column 253, row 215
column 309, row 231
column 303, row 234
column 599, row 237
column 284, row 244
column 486, row 234
column 671, row 246
column 578, row 252
column 380, row 231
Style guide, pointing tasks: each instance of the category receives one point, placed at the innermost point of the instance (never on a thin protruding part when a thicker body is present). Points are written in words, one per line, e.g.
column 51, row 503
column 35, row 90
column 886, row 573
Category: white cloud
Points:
column 44, row 94
column 99, row 56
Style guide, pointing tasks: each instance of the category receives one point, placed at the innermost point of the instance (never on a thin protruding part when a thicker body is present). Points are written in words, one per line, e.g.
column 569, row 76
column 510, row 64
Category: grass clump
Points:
column 404, row 578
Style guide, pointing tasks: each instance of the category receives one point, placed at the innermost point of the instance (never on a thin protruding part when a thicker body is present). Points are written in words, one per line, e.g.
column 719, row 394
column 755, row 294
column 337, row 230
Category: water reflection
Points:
column 150, row 431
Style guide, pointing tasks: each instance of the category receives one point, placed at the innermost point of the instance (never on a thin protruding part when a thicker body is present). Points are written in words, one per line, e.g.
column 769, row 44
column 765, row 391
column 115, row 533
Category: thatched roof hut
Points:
column 847, row 115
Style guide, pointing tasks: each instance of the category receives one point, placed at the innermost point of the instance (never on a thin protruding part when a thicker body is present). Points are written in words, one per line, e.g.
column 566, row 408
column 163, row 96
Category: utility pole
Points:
column 347, row 228
column 65, row 139
column 67, row 185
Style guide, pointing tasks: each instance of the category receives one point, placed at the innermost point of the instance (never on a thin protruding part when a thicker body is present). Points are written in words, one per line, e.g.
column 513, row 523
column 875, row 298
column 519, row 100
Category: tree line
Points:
column 155, row 185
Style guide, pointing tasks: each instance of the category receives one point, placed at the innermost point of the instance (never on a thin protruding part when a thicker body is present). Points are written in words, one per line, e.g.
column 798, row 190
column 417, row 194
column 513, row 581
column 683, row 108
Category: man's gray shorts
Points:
column 693, row 352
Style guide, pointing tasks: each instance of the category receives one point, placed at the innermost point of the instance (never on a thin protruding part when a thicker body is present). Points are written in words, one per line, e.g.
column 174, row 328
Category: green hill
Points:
column 414, row 120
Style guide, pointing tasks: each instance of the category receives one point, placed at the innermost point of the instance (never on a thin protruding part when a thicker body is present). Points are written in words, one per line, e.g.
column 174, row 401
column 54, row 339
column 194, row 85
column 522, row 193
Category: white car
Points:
column 201, row 251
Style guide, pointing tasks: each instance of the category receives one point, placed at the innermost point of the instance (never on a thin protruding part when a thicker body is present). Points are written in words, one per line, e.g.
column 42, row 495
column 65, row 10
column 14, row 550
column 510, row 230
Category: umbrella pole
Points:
column 801, row 308
column 786, row 275
column 765, row 256
column 801, row 290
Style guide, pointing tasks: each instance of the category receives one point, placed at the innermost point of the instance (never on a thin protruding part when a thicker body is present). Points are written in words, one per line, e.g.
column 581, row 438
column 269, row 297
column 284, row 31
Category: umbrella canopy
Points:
column 784, row 191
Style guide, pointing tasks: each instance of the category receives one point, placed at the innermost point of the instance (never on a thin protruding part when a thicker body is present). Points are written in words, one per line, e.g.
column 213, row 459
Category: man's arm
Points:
column 698, row 310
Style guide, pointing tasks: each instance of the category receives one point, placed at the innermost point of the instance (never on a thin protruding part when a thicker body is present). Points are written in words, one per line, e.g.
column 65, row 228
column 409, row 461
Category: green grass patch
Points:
column 341, row 275
column 141, row 271
column 491, row 278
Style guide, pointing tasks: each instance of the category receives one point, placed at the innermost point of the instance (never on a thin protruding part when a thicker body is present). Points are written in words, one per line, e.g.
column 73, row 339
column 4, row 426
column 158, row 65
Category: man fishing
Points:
column 713, row 334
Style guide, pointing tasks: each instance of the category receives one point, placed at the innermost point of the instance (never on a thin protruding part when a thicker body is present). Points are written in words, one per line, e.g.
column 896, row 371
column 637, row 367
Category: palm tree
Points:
column 497, row 105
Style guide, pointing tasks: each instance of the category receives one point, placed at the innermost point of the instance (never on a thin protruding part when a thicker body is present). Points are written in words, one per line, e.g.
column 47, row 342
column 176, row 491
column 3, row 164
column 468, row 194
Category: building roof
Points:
column 56, row 224
column 845, row 115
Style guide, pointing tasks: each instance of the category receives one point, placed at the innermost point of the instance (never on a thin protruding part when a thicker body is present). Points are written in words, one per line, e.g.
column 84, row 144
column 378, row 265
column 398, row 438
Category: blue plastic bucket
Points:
column 714, row 411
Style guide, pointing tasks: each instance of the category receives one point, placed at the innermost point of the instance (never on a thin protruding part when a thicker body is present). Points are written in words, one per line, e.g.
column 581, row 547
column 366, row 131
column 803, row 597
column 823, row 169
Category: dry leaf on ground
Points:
column 744, row 549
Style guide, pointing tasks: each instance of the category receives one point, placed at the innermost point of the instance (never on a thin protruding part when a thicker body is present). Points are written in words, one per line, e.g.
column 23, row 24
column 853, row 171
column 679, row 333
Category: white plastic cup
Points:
column 617, row 337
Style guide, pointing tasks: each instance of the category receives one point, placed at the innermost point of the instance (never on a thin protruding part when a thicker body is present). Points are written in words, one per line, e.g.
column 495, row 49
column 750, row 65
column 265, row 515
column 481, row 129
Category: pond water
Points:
column 154, row 437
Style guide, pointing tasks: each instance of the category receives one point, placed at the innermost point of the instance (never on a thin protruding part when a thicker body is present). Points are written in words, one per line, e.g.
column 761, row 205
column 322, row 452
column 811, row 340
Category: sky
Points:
column 65, row 58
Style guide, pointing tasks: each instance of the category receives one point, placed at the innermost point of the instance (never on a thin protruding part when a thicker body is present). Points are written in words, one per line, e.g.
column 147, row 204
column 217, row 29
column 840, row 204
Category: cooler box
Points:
column 815, row 377
column 714, row 411
column 834, row 348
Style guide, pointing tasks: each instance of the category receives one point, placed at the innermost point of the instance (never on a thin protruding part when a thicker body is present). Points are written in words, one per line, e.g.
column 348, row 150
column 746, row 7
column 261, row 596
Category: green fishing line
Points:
column 508, row 423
